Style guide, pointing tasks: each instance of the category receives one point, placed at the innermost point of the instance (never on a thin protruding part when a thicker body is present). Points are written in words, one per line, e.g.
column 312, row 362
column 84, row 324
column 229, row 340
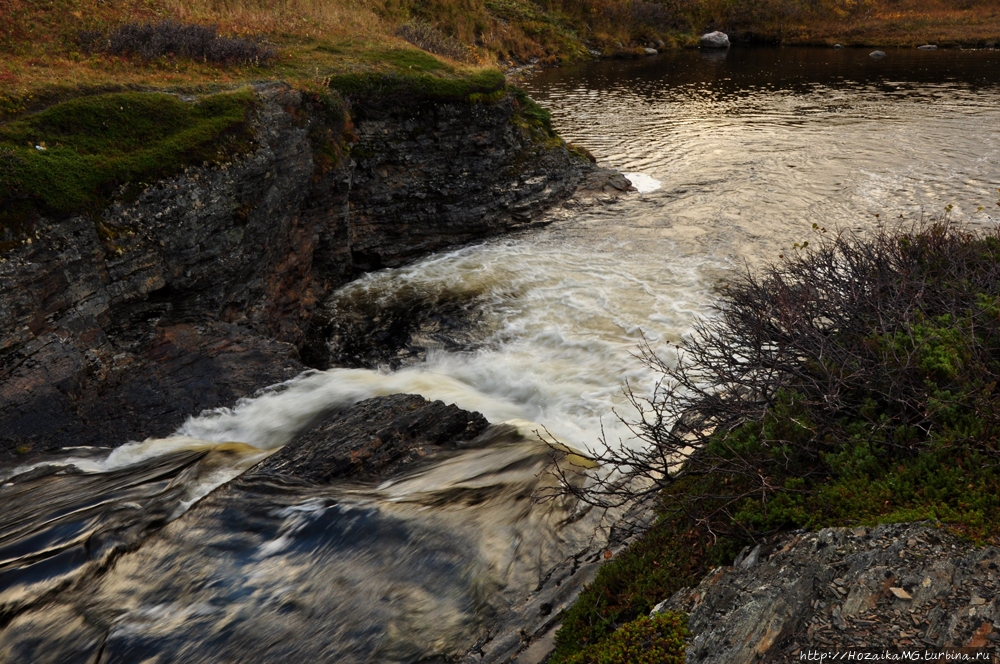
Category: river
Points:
column 736, row 155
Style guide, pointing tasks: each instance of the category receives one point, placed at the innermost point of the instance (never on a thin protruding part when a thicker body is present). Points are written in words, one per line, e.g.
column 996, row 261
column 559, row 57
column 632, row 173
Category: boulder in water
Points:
column 877, row 54
column 715, row 40
column 838, row 46
column 651, row 51
column 927, row 47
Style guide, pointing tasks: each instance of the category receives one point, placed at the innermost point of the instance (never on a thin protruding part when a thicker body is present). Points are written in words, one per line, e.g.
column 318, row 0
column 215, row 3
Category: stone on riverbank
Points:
column 714, row 40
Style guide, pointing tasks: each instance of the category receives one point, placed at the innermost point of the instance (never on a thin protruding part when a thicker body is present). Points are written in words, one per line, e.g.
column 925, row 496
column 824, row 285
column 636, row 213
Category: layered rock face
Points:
column 905, row 585
column 202, row 288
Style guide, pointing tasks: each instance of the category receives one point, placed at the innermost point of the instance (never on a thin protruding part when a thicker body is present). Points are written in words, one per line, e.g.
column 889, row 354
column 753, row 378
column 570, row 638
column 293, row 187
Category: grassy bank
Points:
column 53, row 48
column 853, row 384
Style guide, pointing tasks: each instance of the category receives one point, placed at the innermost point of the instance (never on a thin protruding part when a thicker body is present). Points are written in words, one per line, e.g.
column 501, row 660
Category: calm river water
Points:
column 736, row 155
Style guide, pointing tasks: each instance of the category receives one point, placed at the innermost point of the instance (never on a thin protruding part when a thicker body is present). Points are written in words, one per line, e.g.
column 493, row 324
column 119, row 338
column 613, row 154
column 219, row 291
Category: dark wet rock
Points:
column 447, row 174
column 373, row 438
column 363, row 329
column 714, row 40
column 844, row 587
column 203, row 288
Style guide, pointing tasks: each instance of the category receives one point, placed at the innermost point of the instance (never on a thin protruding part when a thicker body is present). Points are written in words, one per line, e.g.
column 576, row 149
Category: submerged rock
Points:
column 714, row 40
column 844, row 587
column 877, row 54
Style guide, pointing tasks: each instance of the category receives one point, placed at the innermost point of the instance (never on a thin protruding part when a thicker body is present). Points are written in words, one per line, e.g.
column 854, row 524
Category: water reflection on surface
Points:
column 755, row 145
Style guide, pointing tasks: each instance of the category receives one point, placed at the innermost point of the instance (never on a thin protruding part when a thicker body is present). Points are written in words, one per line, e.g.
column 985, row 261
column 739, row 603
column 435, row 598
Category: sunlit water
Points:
column 735, row 156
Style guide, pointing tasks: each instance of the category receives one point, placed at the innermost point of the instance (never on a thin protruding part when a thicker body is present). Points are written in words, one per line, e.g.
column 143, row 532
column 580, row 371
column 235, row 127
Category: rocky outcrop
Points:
column 376, row 437
column 448, row 174
column 202, row 288
column 905, row 585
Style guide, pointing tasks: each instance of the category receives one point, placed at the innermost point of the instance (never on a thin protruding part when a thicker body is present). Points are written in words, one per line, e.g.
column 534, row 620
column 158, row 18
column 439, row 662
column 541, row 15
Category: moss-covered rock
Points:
column 74, row 156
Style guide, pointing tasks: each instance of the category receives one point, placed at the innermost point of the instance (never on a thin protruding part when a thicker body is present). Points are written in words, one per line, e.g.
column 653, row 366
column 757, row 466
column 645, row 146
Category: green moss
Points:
column 374, row 86
column 532, row 112
column 645, row 640
column 410, row 59
column 93, row 145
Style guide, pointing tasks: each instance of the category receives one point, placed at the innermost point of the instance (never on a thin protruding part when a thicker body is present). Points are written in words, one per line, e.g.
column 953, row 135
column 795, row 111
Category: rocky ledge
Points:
column 201, row 289
column 900, row 585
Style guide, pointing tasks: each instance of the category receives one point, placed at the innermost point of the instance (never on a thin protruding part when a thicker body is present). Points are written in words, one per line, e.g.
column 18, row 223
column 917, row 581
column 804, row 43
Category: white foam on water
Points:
column 562, row 316
column 643, row 183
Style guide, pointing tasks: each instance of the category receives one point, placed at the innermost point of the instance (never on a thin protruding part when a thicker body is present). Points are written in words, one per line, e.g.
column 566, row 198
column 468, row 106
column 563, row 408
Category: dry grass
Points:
column 298, row 19
column 41, row 58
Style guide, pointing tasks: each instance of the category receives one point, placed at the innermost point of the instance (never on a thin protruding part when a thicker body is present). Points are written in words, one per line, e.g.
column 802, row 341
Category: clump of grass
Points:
column 173, row 38
column 73, row 156
column 379, row 93
column 668, row 557
column 645, row 640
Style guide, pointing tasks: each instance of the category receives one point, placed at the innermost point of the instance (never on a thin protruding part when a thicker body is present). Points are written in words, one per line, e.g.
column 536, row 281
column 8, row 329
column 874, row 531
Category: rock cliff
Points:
column 201, row 289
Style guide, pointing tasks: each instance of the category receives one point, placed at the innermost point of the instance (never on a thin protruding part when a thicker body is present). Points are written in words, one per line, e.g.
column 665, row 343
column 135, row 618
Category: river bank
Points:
column 199, row 288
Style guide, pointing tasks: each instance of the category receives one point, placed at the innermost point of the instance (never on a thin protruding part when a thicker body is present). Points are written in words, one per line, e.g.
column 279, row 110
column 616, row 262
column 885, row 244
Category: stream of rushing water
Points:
column 736, row 154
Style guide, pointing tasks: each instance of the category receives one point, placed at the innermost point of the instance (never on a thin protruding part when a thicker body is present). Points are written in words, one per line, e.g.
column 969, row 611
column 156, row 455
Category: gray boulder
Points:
column 877, row 54
column 651, row 51
column 715, row 40
column 927, row 47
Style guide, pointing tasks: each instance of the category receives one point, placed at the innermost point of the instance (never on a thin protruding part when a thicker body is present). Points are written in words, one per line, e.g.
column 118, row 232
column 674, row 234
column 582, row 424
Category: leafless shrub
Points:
column 172, row 38
column 428, row 37
column 886, row 344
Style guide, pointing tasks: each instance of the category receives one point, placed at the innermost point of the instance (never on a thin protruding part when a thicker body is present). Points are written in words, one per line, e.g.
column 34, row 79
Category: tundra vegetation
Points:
column 51, row 49
column 855, row 382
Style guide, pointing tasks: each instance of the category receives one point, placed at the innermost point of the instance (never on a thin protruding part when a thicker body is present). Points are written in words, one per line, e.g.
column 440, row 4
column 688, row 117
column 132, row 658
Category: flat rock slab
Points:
column 901, row 585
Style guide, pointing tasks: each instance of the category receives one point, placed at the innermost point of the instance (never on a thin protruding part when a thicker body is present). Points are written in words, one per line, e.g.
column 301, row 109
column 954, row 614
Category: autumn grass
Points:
column 42, row 59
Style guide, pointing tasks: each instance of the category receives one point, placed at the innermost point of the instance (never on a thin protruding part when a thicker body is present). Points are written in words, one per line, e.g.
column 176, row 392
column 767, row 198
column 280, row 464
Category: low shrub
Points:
column 428, row 37
column 645, row 640
column 857, row 382
column 172, row 38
